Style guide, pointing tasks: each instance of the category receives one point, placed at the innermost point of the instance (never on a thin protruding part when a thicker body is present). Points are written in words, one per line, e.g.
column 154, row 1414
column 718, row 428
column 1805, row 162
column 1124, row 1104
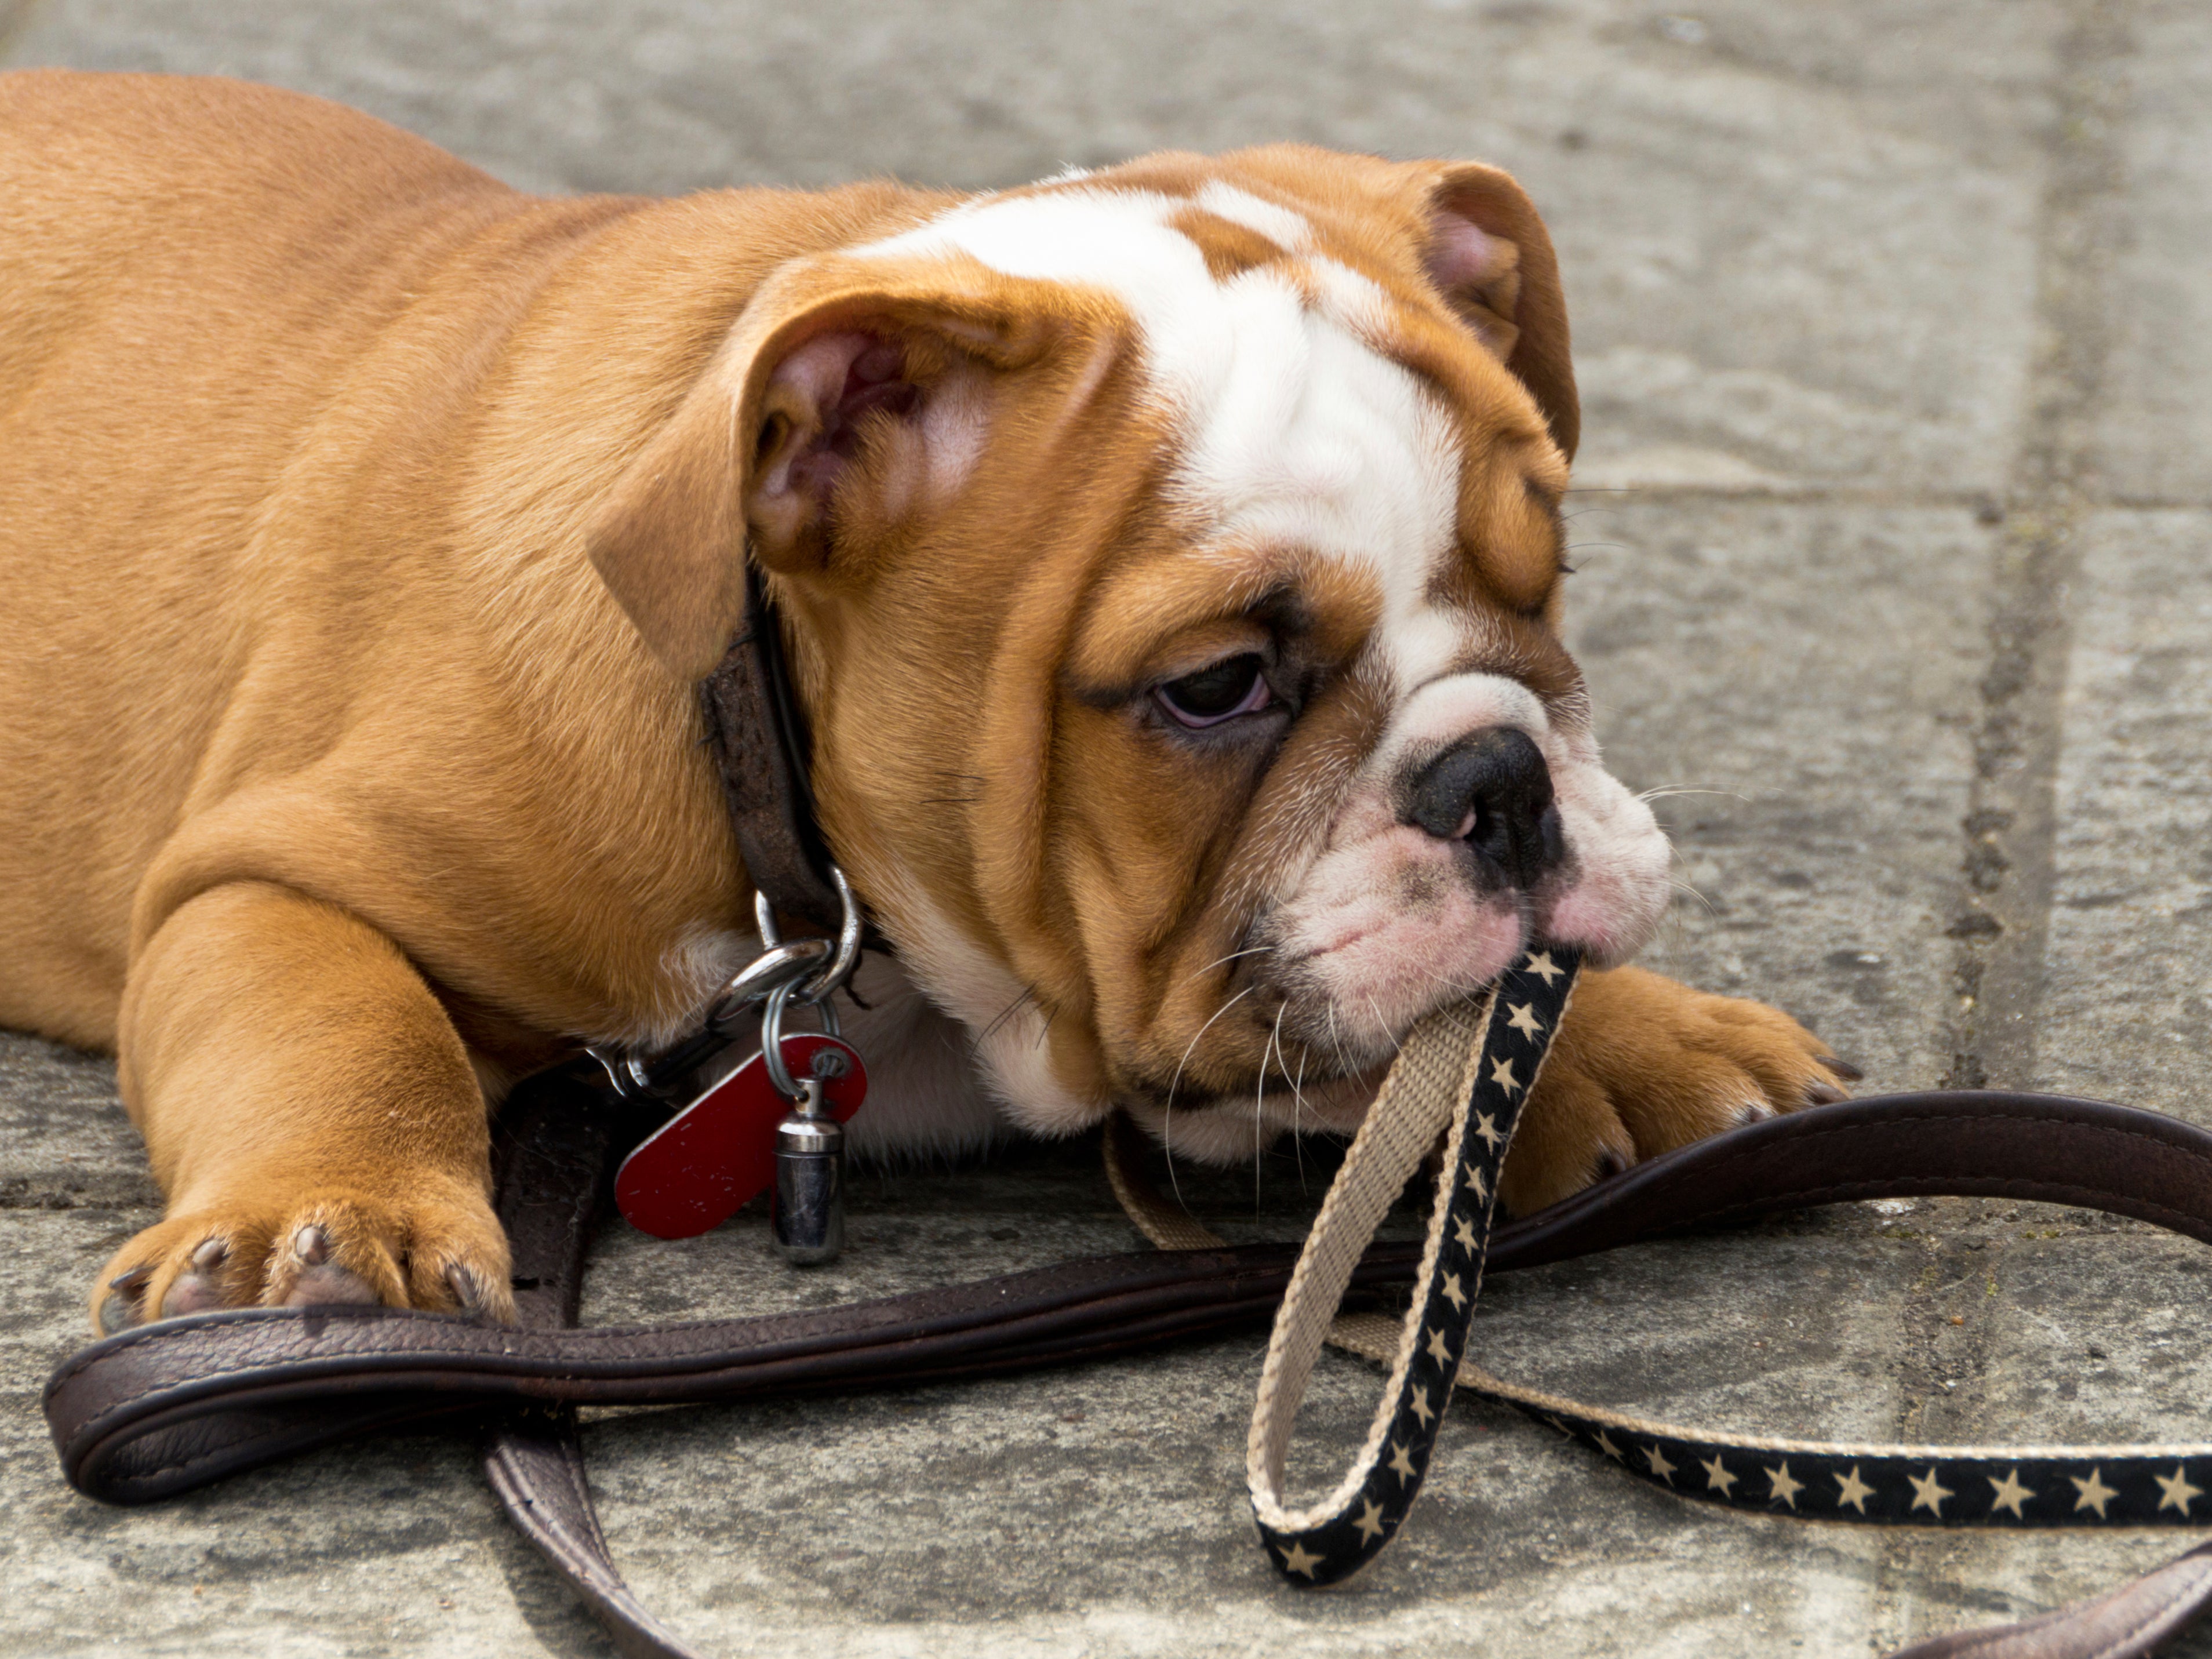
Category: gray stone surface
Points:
column 2128, row 1002
column 1792, row 677
column 2158, row 430
column 1892, row 526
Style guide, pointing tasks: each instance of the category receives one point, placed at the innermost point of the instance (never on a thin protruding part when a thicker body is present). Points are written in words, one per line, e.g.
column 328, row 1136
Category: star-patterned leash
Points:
column 1442, row 1065
column 1464, row 1073
column 2119, row 1486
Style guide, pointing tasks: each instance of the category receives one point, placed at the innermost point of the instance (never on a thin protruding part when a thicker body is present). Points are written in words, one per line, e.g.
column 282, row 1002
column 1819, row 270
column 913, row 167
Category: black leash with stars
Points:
column 1465, row 1074
column 165, row 1407
column 1461, row 1074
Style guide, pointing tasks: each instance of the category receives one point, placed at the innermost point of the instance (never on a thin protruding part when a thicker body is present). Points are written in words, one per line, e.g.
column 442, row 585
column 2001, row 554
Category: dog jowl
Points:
column 1169, row 559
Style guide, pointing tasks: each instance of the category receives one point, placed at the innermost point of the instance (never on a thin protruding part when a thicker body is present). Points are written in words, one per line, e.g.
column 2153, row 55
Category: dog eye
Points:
column 1231, row 687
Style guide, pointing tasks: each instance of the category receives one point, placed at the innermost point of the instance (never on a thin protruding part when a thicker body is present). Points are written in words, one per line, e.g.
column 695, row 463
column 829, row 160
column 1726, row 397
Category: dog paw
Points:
column 315, row 1247
column 1642, row 1065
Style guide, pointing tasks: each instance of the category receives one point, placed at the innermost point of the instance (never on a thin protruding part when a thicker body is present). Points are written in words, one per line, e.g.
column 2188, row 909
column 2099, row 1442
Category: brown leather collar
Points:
column 758, row 735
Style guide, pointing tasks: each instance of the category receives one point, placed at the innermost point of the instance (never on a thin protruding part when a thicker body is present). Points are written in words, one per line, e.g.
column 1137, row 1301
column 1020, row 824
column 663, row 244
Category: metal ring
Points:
column 817, row 993
column 771, row 1036
column 628, row 1074
column 783, row 965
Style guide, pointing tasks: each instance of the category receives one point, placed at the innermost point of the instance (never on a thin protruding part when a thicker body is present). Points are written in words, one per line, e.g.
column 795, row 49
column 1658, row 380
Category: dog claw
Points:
column 120, row 1310
column 1843, row 1068
column 1818, row 1093
column 1751, row 1112
column 1609, row 1164
column 200, row 1289
column 466, row 1291
column 322, row 1282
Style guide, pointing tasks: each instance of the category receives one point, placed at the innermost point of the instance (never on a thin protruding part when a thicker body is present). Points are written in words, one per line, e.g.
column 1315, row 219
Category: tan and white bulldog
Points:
column 1170, row 561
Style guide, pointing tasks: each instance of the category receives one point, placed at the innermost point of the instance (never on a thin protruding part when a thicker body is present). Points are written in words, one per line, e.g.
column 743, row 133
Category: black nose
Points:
column 1492, row 791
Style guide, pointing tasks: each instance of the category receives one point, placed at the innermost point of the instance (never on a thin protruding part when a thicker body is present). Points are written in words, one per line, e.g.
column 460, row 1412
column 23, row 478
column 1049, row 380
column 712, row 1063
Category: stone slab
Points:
column 2156, row 426
column 2127, row 1008
column 1791, row 680
column 64, row 1139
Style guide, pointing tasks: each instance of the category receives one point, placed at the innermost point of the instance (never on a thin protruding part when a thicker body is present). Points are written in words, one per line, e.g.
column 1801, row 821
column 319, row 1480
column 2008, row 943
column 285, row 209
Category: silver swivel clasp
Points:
column 809, row 1143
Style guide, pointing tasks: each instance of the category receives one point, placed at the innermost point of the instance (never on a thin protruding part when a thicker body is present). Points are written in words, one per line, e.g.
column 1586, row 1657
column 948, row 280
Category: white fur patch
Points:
column 1287, row 230
column 924, row 1099
column 692, row 970
column 1296, row 431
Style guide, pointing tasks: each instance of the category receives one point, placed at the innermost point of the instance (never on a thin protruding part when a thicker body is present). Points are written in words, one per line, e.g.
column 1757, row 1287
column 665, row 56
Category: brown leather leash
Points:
column 169, row 1407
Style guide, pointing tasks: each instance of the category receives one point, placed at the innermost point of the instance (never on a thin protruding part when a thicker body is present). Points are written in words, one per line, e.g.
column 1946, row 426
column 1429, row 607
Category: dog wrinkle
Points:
column 1387, row 922
column 1621, row 861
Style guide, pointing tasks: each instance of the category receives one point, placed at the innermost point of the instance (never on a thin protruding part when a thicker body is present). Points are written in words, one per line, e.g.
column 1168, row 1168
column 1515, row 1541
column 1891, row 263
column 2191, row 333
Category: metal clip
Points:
column 810, row 1181
column 801, row 971
column 809, row 1143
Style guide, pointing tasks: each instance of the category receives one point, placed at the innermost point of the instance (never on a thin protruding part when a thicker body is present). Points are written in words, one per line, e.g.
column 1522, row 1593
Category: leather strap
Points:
column 167, row 1407
column 2122, row 1624
column 759, row 737
column 164, row 1407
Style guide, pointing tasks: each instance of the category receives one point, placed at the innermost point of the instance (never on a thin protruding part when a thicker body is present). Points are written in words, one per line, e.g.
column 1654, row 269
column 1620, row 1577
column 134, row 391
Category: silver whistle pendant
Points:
column 810, row 1181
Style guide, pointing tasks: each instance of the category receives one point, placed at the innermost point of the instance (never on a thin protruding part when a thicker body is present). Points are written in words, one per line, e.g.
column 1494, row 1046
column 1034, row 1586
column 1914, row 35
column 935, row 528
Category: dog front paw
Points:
column 313, row 1247
column 1644, row 1064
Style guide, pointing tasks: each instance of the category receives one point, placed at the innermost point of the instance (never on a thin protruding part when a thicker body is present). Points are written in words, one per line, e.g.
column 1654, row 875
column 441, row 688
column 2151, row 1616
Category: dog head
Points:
column 1171, row 558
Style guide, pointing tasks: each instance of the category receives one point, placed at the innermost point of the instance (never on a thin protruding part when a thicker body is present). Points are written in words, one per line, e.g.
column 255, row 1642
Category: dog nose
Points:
column 1492, row 791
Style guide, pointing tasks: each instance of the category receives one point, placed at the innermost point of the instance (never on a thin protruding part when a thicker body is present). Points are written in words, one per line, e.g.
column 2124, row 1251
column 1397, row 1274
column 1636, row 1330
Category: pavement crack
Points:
column 2000, row 923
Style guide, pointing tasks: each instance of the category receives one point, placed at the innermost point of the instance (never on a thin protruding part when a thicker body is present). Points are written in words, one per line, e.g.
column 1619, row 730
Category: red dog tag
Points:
column 691, row 1173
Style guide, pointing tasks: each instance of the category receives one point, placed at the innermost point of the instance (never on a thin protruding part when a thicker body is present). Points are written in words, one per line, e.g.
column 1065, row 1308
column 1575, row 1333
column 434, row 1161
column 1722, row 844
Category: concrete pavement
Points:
column 1895, row 327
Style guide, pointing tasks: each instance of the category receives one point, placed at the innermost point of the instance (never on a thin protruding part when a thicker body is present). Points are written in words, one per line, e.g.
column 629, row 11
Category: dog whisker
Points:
column 1682, row 886
column 1167, row 1124
column 1336, row 1041
column 1667, row 791
column 1273, row 1045
column 1381, row 1024
column 1004, row 1015
column 1248, row 950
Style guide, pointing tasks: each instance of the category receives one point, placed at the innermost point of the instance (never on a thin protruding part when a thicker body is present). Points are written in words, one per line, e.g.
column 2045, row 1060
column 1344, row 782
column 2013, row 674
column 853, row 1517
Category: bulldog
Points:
column 1170, row 562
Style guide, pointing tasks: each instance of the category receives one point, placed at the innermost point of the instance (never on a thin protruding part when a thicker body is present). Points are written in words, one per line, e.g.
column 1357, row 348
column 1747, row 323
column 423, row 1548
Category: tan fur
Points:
column 365, row 523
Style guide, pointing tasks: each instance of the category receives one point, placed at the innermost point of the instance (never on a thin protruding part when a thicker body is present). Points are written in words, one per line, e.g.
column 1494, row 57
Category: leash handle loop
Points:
column 1444, row 1082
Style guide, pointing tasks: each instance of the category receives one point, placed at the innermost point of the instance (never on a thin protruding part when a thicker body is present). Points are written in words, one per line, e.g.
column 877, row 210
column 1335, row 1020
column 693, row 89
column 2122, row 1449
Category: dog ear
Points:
column 833, row 402
column 1490, row 254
